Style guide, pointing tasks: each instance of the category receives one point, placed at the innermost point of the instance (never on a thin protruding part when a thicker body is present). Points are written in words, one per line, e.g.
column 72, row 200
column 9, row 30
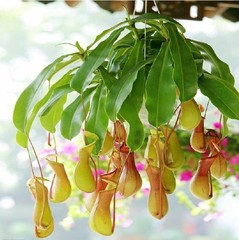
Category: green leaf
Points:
column 29, row 96
column 124, row 42
column 74, row 114
column 78, row 46
column 136, row 133
column 109, row 80
column 117, row 59
column 63, row 81
column 185, row 71
column 56, row 95
column 132, row 104
column 219, row 68
column 97, row 120
column 123, row 86
column 225, row 129
column 135, row 56
column 130, row 108
column 222, row 94
column 83, row 76
column 155, row 16
column 106, row 32
column 161, row 88
column 21, row 139
column 137, row 93
column 53, row 116
column 130, row 112
column 72, row 118
column 141, row 18
column 62, row 64
column 107, row 77
column 198, row 58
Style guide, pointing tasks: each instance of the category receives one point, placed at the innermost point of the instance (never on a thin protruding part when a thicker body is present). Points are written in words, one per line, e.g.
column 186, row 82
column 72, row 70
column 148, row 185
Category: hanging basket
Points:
column 143, row 65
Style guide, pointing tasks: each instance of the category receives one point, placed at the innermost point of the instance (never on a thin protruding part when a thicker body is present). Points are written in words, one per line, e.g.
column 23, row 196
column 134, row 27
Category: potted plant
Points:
column 143, row 65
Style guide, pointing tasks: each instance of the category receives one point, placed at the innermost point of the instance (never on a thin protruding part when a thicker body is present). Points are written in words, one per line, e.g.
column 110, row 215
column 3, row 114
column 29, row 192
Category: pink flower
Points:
column 231, row 170
column 46, row 152
column 224, row 153
column 234, row 160
column 75, row 159
column 140, row 166
column 145, row 191
column 217, row 125
column 206, row 153
column 118, row 195
column 224, row 142
column 237, row 176
column 186, row 175
column 190, row 149
column 98, row 172
column 213, row 216
column 126, row 223
column 103, row 157
column 123, row 221
column 216, row 113
column 69, row 148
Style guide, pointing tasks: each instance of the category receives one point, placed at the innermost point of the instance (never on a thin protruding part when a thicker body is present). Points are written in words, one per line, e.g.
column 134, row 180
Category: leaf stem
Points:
column 132, row 28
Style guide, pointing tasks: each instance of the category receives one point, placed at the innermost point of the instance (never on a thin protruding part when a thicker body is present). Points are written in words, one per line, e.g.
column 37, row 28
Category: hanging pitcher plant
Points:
column 128, row 92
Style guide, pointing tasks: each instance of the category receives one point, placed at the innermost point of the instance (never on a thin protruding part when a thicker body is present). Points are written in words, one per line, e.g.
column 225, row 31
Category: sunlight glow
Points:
column 7, row 202
column 6, row 5
column 7, row 179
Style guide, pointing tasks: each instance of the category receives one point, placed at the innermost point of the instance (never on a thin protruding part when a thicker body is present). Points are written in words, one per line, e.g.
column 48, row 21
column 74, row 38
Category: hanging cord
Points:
column 156, row 6
column 145, row 24
column 134, row 8
column 145, row 30
column 206, row 109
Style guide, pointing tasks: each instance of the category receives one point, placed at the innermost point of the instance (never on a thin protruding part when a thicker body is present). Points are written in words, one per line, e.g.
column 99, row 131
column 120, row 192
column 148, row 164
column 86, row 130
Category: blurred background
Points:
column 32, row 34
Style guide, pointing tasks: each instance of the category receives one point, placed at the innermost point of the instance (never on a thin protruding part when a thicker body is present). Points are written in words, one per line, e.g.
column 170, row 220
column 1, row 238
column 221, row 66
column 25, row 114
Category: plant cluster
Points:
column 228, row 184
column 142, row 65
